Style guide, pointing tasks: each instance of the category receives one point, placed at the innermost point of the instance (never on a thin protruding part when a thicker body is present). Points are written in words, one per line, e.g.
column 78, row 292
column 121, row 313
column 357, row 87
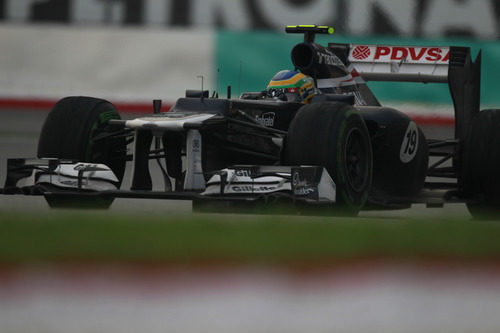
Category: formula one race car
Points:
column 316, row 139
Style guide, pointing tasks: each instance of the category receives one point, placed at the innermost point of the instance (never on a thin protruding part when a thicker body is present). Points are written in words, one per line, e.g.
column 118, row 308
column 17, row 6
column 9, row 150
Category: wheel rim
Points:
column 356, row 162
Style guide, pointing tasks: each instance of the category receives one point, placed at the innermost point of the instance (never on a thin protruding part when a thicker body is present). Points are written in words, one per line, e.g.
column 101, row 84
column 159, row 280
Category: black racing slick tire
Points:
column 333, row 135
column 69, row 132
column 480, row 179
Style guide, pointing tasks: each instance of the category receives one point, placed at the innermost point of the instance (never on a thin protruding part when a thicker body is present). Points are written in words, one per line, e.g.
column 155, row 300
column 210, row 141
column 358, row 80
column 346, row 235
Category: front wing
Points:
column 232, row 187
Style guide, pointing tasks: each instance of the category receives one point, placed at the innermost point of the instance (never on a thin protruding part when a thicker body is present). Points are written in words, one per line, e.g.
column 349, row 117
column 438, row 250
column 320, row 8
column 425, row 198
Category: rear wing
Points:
column 424, row 64
column 400, row 63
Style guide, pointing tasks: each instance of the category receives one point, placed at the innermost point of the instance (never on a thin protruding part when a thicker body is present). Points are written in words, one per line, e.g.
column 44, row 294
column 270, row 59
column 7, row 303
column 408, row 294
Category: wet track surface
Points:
column 364, row 298
column 355, row 299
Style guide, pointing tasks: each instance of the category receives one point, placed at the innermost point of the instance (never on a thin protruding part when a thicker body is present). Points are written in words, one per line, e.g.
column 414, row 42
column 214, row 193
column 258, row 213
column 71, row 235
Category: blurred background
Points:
column 394, row 278
column 135, row 50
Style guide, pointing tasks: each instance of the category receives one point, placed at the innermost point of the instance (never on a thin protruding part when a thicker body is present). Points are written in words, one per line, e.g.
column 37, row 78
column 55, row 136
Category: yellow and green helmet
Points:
column 291, row 86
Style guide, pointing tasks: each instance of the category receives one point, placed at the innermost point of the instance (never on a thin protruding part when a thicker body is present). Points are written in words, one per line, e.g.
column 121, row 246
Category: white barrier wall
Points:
column 122, row 64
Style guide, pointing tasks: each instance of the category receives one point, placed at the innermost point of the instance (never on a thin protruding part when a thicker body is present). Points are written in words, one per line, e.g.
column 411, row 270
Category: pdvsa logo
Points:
column 408, row 54
column 361, row 52
column 413, row 54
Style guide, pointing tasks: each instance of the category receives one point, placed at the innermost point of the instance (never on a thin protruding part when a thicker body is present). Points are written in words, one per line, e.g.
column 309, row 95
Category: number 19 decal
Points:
column 409, row 146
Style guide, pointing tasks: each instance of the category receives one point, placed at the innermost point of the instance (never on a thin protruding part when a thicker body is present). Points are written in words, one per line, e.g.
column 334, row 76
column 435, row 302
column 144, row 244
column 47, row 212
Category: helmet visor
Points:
column 284, row 94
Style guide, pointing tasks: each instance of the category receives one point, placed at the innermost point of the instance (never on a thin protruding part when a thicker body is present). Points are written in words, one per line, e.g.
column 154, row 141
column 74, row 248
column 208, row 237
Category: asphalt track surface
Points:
column 19, row 132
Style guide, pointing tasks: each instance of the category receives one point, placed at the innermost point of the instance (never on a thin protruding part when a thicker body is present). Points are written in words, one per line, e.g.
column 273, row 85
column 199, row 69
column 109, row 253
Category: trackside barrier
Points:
column 131, row 66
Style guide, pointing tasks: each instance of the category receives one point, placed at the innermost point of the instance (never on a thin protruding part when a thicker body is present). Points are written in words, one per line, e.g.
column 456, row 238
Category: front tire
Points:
column 334, row 135
column 69, row 132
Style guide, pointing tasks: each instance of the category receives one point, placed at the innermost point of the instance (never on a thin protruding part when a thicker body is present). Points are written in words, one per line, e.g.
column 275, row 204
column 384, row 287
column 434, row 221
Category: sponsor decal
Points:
column 409, row 146
column 251, row 189
column 266, row 119
column 329, row 59
column 243, row 173
column 408, row 54
column 361, row 52
column 301, row 187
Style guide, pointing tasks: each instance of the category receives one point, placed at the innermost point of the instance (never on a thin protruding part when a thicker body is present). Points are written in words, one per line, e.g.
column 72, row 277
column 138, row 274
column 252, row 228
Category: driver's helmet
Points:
column 291, row 86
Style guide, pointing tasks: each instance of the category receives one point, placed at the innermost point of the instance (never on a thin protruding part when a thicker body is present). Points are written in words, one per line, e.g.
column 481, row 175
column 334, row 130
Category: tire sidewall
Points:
column 350, row 121
column 318, row 135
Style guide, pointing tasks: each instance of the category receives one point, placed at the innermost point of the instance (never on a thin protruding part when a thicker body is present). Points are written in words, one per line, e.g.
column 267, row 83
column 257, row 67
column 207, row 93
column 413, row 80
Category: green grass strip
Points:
column 85, row 236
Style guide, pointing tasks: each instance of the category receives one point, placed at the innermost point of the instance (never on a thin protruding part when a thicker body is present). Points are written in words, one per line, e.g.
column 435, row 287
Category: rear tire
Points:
column 480, row 181
column 68, row 133
column 334, row 135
